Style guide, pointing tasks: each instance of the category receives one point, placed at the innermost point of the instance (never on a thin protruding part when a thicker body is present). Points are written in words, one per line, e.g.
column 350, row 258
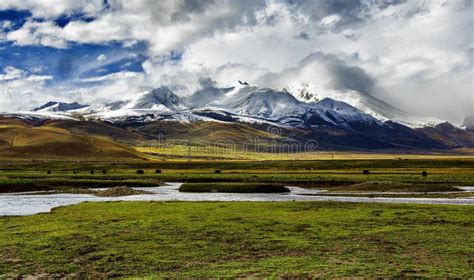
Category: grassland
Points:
column 242, row 239
column 292, row 239
column 385, row 175
column 49, row 142
column 210, row 152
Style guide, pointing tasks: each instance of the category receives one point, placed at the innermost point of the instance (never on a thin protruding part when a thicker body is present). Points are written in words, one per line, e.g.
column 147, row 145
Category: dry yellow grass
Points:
column 30, row 142
column 181, row 151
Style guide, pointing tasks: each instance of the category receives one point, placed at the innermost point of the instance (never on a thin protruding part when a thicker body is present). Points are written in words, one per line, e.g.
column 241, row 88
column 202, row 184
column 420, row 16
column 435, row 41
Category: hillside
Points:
column 23, row 141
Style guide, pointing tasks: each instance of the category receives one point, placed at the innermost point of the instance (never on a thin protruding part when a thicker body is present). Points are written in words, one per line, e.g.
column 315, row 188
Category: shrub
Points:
column 366, row 172
column 92, row 171
column 424, row 174
column 233, row 188
column 140, row 172
column 217, row 172
column 75, row 171
column 104, row 171
column 48, row 172
column 158, row 171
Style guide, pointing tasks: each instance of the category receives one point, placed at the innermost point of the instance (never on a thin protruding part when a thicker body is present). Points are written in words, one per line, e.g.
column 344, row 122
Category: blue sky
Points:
column 67, row 65
column 417, row 55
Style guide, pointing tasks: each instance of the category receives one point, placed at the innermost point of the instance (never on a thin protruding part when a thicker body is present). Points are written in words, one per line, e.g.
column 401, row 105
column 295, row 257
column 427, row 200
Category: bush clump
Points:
column 424, row 174
column 233, row 188
column 366, row 172
column 120, row 191
column 158, row 171
column 217, row 172
column 140, row 171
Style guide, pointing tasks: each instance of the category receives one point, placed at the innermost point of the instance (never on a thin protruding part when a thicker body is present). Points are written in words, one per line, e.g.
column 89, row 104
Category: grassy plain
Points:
column 242, row 239
column 385, row 175
column 210, row 152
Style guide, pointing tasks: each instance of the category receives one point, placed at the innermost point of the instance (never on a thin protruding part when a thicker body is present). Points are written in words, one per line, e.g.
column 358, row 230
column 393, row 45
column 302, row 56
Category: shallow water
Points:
column 20, row 204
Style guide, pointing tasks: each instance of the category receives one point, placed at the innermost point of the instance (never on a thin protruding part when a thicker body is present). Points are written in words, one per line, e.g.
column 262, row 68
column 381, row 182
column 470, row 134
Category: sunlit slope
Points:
column 125, row 136
column 211, row 132
column 47, row 141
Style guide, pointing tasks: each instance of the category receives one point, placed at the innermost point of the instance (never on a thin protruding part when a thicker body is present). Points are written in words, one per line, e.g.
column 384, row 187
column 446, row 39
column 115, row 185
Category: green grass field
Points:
column 293, row 239
column 385, row 175
column 241, row 239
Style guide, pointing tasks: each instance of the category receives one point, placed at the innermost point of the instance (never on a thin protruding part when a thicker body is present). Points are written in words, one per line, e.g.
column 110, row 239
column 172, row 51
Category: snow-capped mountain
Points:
column 242, row 103
column 364, row 102
column 159, row 99
column 147, row 104
column 59, row 107
column 307, row 117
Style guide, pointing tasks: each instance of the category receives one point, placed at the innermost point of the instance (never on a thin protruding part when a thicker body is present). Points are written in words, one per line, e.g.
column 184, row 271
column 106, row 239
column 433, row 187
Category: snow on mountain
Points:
column 51, row 110
column 242, row 103
column 342, row 113
column 268, row 104
column 58, row 107
column 364, row 102
column 280, row 107
column 160, row 101
column 37, row 116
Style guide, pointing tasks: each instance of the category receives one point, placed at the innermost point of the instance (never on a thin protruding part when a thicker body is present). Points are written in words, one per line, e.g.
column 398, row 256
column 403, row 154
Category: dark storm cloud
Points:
column 352, row 13
column 190, row 7
column 207, row 93
column 303, row 36
column 207, row 83
column 343, row 75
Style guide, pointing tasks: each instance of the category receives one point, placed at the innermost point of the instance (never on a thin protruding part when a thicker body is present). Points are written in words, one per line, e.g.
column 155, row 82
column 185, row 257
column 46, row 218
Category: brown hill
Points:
column 47, row 141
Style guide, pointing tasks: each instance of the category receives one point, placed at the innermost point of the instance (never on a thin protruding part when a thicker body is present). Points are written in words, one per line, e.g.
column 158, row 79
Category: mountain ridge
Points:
column 337, row 124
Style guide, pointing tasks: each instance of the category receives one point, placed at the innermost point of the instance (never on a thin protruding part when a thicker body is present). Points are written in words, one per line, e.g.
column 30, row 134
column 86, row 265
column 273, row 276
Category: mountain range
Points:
column 336, row 120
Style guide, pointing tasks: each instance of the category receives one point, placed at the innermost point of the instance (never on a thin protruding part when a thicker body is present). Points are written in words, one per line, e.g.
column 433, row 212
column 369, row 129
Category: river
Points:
column 20, row 204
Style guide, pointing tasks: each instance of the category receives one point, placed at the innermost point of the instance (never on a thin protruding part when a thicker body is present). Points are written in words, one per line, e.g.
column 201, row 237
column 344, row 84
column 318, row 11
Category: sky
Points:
column 416, row 55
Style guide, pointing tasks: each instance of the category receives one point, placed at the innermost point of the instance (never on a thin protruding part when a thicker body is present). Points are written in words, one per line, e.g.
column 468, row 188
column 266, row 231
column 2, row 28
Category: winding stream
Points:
column 20, row 204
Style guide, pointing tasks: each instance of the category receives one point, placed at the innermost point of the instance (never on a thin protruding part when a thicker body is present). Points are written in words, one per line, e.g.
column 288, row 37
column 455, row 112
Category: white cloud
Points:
column 53, row 8
column 130, row 43
column 18, row 87
column 112, row 77
column 101, row 57
column 11, row 73
column 38, row 33
column 330, row 20
column 166, row 25
column 6, row 24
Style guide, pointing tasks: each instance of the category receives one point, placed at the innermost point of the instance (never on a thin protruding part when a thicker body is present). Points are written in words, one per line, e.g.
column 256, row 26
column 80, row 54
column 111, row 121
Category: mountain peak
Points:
column 162, row 96
column 53, row 106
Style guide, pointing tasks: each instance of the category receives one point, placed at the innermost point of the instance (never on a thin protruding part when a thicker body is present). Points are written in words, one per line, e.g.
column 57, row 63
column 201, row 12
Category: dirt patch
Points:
column 120, row 191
